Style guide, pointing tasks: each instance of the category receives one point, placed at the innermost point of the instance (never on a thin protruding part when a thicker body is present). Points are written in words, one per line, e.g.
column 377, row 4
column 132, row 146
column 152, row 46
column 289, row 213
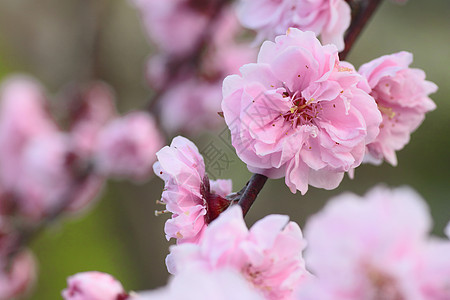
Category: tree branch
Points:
column 254, row 186
column 362, row 10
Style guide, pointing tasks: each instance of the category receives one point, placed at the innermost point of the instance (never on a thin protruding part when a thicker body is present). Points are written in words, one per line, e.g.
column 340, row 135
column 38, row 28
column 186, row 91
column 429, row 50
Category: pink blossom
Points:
column 401, row 94
column 33, row 167
column 93, row 286
column 127, row 146
column 191, row 106
column 327, row 18
column 435, row 279
column 92, row 109
column 50, row 175
column 202, row 285
column 268, row 255
column 45, row 175
column 175, row 26
column 195, row 100
column 300, row 113
column 187, row 192
column 18, row 277
column 368, row 247
column 23, row 116
column 194, row 94
column 37, row 161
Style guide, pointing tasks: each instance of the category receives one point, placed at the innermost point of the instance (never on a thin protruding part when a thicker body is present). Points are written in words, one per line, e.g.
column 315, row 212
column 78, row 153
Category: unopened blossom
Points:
column 300, row 113
column 401, row 94
column 188, row 194
column 369, row 247
column 204, row 285
column 16, row 276
column 269, row 18
column 127, row 146
column 268, row 255
column 93, row 286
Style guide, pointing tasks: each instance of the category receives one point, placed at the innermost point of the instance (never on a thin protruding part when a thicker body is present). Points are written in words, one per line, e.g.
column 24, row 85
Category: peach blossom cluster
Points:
column 301, row 114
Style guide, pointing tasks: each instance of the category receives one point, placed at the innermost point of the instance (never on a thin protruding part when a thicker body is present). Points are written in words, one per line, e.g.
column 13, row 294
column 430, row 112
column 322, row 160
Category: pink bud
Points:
column 93, row 286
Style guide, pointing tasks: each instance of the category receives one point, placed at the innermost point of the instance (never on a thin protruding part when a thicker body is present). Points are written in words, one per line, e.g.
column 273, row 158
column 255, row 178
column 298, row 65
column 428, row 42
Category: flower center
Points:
column 255, row 276
column 302, row 111
column 385, row 286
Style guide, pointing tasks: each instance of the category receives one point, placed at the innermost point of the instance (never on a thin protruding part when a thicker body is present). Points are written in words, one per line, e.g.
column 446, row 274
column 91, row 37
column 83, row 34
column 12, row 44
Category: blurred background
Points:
column 60, row 42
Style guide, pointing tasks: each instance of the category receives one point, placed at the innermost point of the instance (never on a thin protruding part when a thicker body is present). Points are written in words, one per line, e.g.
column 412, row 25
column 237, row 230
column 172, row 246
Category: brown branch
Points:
column 254, row 186
column 362, row 10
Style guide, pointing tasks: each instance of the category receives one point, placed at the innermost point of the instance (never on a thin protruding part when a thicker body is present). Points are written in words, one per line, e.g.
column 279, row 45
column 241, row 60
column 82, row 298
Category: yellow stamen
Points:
column 388, row 111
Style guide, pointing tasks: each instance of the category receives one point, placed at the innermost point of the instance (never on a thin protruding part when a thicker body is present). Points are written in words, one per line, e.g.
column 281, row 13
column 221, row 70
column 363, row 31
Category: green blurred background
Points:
column 53, row 41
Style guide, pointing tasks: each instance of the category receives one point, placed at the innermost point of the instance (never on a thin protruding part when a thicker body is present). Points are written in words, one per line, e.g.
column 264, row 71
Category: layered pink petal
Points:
column 300, row 112
column 401, row 94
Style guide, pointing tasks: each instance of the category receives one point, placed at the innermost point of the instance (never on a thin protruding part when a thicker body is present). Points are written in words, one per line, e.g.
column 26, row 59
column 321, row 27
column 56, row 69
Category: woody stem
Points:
column 362, row 10
column 254, row 186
